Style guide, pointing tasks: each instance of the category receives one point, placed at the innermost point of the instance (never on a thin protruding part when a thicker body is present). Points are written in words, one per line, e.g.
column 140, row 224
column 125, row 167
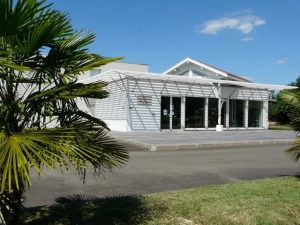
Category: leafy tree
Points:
column 296, row 83
column 41, row 58
column 293, row 99
column 280, row 110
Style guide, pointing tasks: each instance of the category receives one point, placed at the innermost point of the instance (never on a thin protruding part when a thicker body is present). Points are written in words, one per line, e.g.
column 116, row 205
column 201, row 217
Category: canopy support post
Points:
column 219, row 127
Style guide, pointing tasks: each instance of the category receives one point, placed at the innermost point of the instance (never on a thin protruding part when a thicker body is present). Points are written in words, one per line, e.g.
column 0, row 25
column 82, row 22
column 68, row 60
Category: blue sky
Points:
column 256, row 39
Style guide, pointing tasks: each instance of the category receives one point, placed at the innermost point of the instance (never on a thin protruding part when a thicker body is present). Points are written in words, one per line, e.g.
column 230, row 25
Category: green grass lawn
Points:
column 280, row 127
column 268, row 201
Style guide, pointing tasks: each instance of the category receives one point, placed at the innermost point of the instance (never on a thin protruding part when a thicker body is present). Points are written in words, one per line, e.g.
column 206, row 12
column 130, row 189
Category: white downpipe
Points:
column 171, row 112
column 219, row 127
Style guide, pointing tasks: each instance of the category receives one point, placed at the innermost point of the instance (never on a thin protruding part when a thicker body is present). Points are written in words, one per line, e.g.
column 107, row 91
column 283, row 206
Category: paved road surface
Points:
column 205, row 137
column 148, row 172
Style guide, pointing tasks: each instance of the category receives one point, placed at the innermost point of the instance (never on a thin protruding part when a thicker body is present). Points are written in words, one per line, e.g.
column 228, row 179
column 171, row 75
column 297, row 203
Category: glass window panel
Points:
column 212, row 112
column 194, row 112
column 236, row 113
column 255, row 114
column 165, row 113
column 223, row 114
column 176, row 124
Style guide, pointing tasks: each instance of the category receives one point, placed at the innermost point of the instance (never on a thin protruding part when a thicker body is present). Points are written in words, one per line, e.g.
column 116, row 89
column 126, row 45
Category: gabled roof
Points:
column 206, row 66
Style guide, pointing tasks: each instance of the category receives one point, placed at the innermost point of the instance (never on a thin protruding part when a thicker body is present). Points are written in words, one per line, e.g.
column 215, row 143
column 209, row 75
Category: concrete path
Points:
column 179, row 140
column 148, row 172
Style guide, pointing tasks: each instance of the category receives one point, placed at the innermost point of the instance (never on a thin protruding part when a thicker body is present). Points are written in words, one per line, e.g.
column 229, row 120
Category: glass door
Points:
column 170, row 110
column 165, row 113
column 176, row 114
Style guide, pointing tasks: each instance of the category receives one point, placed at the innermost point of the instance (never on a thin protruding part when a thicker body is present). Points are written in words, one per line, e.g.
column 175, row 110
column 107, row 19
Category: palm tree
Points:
column 293, row 99
column 41, row 58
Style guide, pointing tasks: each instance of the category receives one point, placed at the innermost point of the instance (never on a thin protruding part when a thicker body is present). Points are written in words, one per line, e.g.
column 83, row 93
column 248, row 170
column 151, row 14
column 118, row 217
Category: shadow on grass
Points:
column 89, row 210
column 296, row 176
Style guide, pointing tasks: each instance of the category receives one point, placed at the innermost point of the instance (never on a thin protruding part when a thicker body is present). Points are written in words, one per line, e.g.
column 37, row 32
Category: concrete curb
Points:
column 199, row 146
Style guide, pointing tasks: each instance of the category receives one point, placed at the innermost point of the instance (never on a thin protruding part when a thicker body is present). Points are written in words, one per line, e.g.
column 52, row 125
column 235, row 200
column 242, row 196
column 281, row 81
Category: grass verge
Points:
column 280, row 127
column 267, row 201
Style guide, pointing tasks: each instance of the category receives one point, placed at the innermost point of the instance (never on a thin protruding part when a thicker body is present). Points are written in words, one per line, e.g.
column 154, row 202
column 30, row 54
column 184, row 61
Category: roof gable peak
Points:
column 206, row 66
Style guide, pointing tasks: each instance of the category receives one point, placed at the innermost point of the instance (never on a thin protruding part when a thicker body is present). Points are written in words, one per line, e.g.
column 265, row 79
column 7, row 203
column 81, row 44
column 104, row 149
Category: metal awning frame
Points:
column 115, row 75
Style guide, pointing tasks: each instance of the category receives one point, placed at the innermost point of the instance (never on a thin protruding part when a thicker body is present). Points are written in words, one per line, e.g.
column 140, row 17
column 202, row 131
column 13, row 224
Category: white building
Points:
column 189, row 96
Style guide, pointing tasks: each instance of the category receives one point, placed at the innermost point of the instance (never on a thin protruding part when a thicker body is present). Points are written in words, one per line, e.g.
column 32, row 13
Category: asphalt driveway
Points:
column 192, row 140
column 148, row 172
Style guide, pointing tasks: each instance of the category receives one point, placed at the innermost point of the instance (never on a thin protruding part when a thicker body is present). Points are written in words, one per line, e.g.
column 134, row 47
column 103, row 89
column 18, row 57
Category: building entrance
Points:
column 170, row 115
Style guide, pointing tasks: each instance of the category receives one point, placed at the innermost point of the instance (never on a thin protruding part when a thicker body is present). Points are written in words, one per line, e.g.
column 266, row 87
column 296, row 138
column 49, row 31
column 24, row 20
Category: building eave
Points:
column 115, row 75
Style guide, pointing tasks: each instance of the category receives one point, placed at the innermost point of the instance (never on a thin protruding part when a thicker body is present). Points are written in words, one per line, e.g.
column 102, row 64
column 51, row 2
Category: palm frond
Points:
column 70, row 53
column 80, row 117
column 292, row 98
column 15, row 18
column 71, row 91
column 43, row 33
column 11, row 65
column 91, row 61
column 294, row 151
column 77, row 146
column 41, row 57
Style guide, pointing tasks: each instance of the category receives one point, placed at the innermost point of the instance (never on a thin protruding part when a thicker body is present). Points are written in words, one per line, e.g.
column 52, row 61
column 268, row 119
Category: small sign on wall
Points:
column 165, row 112
column 144, row 100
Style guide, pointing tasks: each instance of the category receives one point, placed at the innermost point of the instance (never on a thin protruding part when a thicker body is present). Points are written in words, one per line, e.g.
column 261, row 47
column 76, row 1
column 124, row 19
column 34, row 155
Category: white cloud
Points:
column 244, row 23
column 282, row 61
column 248, row 39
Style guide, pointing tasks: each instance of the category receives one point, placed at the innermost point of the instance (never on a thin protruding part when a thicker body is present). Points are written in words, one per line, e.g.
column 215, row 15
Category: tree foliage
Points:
column 281, row 111
column 293, row 99
column 41, row 59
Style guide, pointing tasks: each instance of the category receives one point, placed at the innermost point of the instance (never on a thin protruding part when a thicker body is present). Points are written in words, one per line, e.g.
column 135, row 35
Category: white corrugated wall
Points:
column 147, row 117
column 124, row 106
column 113, row 109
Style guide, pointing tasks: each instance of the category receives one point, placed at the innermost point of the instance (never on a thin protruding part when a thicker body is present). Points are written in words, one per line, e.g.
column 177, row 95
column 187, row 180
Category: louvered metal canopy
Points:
column 116, row 75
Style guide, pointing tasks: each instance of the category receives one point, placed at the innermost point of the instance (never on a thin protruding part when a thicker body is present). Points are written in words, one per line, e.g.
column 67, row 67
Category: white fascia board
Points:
column 115, row 75
column 255, row 85
column 209, row 68
column 95, row 78
column 177, row 65
column 187, row 60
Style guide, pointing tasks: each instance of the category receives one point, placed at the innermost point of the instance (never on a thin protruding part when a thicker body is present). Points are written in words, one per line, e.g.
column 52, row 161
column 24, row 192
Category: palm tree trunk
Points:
column 11, row 206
